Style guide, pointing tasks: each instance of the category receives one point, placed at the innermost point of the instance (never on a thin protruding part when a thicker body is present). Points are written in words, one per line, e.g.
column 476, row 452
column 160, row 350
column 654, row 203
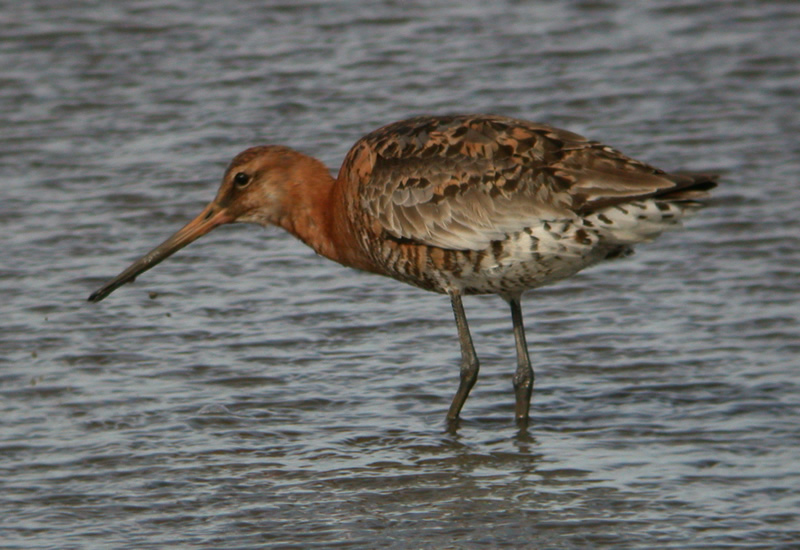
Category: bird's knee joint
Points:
column 469, row 369
column 523, row 379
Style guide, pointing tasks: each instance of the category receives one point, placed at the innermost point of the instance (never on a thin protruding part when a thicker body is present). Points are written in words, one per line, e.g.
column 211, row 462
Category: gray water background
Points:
column 266, row 397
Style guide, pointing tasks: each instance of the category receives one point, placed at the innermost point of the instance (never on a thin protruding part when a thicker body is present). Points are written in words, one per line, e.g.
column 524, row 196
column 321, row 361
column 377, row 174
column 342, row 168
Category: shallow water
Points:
column 265, row 397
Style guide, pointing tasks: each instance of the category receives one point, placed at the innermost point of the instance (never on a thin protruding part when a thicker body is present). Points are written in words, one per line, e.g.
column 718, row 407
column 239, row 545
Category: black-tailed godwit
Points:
column 457, row 205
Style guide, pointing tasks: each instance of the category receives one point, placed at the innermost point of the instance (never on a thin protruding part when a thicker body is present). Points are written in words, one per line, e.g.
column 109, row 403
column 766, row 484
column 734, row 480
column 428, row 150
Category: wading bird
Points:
column 458, row 205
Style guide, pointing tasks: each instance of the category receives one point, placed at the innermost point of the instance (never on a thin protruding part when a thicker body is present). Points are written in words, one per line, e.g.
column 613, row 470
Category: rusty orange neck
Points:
column 316, row 213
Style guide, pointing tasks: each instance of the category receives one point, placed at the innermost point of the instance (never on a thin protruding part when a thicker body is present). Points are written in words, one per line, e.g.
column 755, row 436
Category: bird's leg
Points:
column 523, row 377
column 469, row 360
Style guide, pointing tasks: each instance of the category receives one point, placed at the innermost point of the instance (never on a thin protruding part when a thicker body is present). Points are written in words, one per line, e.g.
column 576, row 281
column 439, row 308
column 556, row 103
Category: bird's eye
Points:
column 241, row 179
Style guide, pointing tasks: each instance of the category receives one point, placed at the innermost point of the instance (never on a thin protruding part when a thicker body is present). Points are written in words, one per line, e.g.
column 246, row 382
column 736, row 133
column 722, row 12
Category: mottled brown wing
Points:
column 462, row 182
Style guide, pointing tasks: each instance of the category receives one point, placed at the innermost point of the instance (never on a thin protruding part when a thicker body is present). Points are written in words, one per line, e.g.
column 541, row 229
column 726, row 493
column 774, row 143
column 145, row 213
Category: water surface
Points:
column 264, row 397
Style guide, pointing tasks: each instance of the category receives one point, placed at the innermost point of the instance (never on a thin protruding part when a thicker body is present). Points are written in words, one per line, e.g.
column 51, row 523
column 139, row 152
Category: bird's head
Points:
column 258, row 187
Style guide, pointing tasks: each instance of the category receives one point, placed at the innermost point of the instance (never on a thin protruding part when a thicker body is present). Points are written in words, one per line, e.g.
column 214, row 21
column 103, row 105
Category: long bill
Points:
column 212, row 216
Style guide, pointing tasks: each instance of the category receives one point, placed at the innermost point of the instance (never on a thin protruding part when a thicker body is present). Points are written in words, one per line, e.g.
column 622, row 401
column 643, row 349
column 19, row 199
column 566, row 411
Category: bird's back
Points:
column 489, row 204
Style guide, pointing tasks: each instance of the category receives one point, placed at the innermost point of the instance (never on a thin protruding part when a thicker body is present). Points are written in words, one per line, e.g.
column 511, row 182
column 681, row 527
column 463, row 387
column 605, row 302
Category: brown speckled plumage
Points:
column 460, row 205
column 444, row 202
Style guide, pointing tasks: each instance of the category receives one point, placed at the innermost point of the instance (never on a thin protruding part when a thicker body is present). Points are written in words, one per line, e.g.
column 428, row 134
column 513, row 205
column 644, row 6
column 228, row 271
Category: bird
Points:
column 458, row 205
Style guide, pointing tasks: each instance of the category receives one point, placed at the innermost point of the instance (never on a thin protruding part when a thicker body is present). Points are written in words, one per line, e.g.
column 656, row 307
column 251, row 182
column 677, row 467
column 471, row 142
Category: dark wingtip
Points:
column 700, row 181
column 691, row 187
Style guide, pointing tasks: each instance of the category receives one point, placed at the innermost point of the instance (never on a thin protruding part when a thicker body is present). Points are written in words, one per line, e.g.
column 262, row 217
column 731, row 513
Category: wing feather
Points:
column 461, row 182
